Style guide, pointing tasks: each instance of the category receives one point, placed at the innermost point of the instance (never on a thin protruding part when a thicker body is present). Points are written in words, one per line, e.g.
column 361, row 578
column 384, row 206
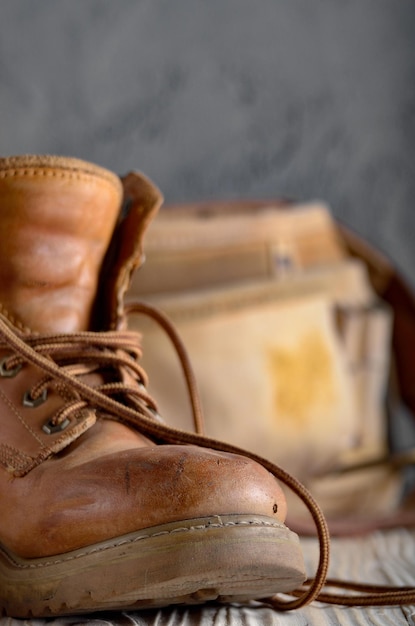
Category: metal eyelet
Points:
column 50, row 428
column 8, row 373
column 34, row 402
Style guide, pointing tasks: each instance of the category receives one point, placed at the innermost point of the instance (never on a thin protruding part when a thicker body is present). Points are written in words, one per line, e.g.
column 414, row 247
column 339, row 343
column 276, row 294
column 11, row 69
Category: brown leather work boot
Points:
column 95, row 515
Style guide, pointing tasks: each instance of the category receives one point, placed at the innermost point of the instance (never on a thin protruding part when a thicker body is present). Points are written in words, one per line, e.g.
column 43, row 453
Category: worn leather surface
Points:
column 97, row 478
column 57, row 219
column 106, row 485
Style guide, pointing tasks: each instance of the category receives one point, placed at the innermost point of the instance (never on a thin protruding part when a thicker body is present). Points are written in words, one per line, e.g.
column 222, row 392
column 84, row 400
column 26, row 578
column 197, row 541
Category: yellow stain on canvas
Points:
column 303, row 377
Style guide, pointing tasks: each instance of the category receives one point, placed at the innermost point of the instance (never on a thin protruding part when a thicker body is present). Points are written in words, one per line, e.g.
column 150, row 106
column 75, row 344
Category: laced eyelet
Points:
column 34, row 402
column 50, row 428
column 8, row 373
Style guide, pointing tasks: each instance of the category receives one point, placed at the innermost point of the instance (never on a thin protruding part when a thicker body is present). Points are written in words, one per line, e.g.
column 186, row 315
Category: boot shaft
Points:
column 60, row 219
column 70, row 236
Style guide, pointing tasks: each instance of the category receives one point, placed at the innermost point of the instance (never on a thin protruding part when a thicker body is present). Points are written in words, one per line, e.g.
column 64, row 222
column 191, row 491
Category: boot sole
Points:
column 230, row 558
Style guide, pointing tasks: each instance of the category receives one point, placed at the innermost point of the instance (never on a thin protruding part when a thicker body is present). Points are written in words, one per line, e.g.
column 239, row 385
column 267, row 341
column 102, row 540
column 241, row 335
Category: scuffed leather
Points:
column 56, row 224
column 98, row 479
column 24, row 444
column 105, row 485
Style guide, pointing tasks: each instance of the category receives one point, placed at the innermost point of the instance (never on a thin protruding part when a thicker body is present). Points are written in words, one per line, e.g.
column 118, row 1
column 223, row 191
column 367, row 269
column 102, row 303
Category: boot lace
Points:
column 65, row 358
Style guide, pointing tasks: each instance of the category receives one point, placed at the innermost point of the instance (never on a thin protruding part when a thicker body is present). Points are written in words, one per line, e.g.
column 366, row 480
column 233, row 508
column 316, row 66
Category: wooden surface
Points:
column 387, row 557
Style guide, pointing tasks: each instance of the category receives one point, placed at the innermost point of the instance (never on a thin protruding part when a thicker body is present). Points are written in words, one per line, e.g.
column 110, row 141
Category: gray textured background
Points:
column 225, row 98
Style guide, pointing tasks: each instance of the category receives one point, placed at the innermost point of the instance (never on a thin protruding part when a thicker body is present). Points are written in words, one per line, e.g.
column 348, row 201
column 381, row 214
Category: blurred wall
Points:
column 225, row 98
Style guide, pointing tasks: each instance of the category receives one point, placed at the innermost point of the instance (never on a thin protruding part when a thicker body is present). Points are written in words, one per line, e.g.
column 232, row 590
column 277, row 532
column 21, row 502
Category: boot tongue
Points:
column 57, row 216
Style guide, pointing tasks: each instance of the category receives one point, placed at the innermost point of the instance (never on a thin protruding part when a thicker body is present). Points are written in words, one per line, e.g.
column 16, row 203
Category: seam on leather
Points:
column 50, row 173
column 132, row 540
column 13, row 459
column 21, row 419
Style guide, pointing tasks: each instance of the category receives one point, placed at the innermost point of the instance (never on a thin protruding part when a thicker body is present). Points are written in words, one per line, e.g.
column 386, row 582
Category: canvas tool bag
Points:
column 301, row 336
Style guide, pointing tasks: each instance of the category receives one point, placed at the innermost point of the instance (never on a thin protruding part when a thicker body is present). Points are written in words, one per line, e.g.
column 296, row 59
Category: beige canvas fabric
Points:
column 289, row 342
